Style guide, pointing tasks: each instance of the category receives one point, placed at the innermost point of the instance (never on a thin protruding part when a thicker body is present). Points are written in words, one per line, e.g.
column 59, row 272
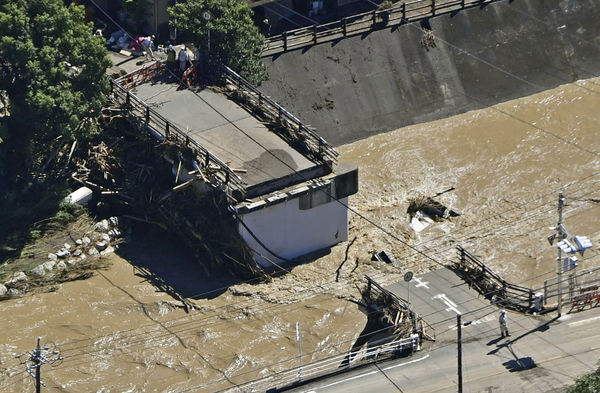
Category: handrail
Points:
column 327, row 365
column 491, row 285
column 303, row 134
column 401, row 13
column 224, row 176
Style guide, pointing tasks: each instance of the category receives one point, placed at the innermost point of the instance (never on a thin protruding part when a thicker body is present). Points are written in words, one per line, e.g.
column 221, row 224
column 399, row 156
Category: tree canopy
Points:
column 588, row 383
column 234, row 38
column 52, row 75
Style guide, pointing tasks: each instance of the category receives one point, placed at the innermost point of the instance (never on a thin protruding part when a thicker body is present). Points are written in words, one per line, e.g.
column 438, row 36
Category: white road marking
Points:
column 421, row 283
column 367, row 374
column 487, row 318
column 405, row 363
column 585, row 321
column 451, row 305
column 348, row 379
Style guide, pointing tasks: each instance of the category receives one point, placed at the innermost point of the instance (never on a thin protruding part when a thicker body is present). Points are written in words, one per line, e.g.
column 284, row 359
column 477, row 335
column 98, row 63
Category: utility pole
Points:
column 568, row 245
column 459, row 339
column 562, row 235
column 36, row 358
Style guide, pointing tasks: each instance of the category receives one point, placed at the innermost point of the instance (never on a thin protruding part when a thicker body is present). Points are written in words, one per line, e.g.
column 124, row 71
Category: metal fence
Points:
column 219, row 174
column 491, row 285
column 579, row 289
column 315, row 146
column 400, row 13
column 327, row 366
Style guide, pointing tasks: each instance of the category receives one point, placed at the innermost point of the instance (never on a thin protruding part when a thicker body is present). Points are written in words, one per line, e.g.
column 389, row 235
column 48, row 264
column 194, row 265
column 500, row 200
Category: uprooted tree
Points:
column 52, row 78
column 234, row 39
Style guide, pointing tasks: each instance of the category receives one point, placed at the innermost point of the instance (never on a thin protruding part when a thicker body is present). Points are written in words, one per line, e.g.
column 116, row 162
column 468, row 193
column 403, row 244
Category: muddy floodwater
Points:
column 504, row 165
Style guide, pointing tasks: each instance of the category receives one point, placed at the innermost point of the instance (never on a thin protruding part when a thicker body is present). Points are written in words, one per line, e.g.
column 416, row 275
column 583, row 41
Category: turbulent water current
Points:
column 506, row 164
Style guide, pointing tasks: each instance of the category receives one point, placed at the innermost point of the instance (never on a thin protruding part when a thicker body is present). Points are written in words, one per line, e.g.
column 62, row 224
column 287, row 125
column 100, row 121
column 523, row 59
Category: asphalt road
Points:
column 543, row 354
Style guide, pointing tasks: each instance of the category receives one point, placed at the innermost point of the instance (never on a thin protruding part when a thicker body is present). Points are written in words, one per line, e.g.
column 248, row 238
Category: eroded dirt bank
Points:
column 506, row 164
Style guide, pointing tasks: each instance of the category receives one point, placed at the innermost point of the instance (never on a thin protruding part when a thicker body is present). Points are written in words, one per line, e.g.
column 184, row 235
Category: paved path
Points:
column 541, row 355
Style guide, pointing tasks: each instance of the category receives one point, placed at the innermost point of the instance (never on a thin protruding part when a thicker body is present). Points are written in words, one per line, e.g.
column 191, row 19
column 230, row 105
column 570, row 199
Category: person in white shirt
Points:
column 503, row 328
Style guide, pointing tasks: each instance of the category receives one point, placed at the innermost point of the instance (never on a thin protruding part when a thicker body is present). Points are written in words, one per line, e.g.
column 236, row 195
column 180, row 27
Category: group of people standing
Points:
column 183, row 58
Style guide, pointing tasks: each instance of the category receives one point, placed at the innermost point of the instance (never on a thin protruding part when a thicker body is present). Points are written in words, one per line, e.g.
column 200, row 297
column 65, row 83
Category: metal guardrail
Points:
column 401, row 13
column 579, row 289
column 219, row 173
column 491, row 285
column 321, row 150
column 326, row 366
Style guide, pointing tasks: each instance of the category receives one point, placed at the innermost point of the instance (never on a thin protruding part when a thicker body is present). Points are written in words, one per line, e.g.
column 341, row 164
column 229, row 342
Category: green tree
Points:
column 53, row 75
column 234, row 39
column 588, row 383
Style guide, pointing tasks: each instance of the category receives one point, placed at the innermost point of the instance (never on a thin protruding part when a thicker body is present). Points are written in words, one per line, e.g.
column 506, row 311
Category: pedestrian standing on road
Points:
column 503, row 328
column 183, row 59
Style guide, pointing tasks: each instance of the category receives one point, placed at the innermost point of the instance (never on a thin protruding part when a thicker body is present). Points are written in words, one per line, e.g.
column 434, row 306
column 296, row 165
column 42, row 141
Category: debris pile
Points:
column 150, row 182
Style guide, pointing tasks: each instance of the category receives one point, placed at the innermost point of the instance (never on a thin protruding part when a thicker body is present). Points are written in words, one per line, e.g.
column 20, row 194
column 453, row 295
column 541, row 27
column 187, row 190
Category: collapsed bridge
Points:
column 281, row 179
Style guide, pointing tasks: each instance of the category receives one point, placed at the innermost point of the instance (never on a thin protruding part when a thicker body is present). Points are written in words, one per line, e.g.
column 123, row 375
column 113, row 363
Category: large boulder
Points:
column 3, row 290
column 86, row 241
column 52, row 257
column 101, row 245
column 49, row 266
column 38, row 271
column 13, row 292
column 61, row 265
column 17, row 279
column 102, row 226
column 63, row 253
column 108, row 250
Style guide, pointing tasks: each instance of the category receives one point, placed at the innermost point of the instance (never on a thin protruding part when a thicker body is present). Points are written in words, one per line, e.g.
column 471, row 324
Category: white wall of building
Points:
column 291, row 232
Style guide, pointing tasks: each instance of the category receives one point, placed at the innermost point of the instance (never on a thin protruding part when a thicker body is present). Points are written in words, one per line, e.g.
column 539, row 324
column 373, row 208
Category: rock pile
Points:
column 100, row 242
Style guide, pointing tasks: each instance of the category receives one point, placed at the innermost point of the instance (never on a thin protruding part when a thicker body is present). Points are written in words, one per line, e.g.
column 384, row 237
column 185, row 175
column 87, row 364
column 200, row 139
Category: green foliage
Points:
column 234, row 39
column 589, row 383
column 39, row 41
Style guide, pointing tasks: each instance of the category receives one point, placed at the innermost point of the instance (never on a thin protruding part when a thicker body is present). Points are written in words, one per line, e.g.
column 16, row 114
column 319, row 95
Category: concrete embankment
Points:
column 386, row 79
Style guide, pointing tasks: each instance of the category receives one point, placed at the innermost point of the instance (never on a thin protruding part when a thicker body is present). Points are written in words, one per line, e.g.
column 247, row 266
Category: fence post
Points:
column 259, row 99
column 404, row 12
column 344, row 26
column 280, row 114
column 127, row 100
column 187, row 140
column 285, row 43
column 167, row 126
column 207, row 160
column 111, row 84
column 315, row 34
column 432, row 7
column 374, row 17
column 147, row 114
column 462, row 3
column 226, row 177
column 545, row 292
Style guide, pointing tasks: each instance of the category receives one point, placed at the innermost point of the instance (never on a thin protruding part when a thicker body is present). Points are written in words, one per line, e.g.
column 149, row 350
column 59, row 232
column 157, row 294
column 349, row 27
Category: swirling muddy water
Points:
column 119, row 333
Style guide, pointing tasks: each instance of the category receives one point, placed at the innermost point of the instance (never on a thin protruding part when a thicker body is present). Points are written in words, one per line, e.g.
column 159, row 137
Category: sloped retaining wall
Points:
column 379, row 81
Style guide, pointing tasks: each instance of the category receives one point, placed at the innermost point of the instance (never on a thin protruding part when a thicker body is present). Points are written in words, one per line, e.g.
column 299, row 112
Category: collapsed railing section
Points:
column 400, row 13
column 404, row 320
column 491, row 285
column 579, row 289
column 297, row 132
column 218, row 173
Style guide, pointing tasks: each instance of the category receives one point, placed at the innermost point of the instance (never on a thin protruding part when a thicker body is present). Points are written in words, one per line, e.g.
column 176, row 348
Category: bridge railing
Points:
column 319, row 148
column 491, row 285
column 327, row 365
column 400, row 13
column 218, row 172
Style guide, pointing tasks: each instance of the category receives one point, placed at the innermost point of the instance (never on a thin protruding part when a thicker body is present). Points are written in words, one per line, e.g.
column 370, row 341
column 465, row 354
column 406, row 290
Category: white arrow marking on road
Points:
column 451, row 305
column 421, row 283
column 584, row 321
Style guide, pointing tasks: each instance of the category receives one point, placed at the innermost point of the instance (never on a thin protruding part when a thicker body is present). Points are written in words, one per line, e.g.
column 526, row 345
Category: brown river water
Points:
column 118, row 333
